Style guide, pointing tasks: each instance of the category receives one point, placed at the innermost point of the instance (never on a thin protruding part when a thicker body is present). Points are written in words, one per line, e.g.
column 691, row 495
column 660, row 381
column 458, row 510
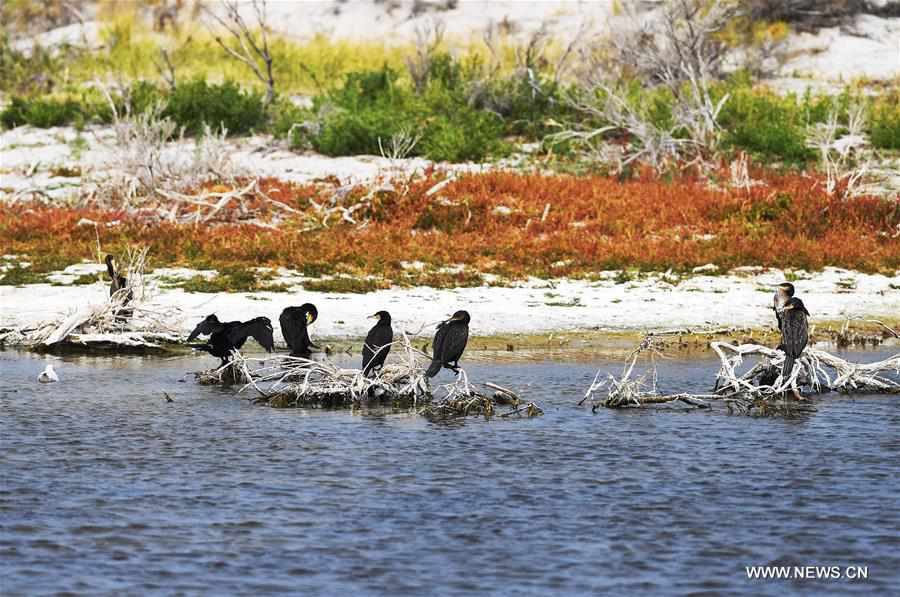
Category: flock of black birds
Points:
column 224, row 337
column 449, row 340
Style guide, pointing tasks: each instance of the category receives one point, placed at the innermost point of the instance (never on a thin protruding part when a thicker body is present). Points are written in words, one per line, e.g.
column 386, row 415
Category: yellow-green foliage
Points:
column 744, row 31
column 299, row 67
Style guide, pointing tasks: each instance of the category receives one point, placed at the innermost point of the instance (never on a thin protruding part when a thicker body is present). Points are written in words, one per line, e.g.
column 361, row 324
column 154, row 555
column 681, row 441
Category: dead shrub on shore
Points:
column 677, row 48
column 842, row 152
column 154, row 174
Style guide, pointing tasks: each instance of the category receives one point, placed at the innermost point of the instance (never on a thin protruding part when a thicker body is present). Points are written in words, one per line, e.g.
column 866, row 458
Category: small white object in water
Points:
column 48, row 375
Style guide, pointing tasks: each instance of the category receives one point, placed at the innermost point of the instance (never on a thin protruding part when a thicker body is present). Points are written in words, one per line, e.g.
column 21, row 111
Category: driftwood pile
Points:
column 288, row 382
column 761, row 390
column 125, row 321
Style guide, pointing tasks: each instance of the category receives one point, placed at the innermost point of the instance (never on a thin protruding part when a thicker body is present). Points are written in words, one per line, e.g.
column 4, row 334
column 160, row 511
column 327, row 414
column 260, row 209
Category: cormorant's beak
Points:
column 309, row 318
column 375, row 316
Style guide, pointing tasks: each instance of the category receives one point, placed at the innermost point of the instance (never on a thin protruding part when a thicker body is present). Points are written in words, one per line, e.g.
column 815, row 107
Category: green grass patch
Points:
column 229, row 279
column 345, row 285
column 21, row 276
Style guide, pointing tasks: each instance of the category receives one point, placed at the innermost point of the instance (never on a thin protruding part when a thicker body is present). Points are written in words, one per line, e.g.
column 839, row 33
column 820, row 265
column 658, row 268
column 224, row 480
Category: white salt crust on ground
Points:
column 740, row 299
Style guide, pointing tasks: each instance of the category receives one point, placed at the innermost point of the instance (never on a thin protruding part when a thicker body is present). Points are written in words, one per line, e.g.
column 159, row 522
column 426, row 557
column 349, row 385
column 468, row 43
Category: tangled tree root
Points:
column 760, row 391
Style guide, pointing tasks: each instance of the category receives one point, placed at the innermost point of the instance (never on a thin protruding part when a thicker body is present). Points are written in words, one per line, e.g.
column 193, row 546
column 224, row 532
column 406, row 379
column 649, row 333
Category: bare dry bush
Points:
column 428, row 41
column 150, row 160
column 843, row 158
column 245, row 45
column 675, row 47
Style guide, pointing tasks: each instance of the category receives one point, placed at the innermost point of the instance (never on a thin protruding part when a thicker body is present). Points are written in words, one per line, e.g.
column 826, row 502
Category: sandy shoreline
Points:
column 652, row 302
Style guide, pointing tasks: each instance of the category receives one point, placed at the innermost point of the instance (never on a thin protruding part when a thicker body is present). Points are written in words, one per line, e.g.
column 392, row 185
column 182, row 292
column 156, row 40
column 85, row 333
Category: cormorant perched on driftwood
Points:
column 294, row 321
column 793, row 324
column 225, row 337
column 118, row 282
column 378, row 343
column 449, row 343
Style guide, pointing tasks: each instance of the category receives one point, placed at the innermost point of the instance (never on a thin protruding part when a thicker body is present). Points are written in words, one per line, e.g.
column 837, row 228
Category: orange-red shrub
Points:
column 500, row 222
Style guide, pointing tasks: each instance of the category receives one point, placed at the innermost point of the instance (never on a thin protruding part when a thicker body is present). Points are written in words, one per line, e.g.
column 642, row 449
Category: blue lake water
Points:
column 105, row 488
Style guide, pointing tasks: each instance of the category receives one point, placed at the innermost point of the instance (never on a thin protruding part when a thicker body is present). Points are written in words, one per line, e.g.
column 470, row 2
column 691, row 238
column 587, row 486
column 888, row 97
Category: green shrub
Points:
column 34, row 72
column 195, row 103
column 349, row 132
column 42, row 113
column 884, row 123
column 284, row 115
column 370, row 106
column 463, row 135
column 768, row 126
column 373, row 106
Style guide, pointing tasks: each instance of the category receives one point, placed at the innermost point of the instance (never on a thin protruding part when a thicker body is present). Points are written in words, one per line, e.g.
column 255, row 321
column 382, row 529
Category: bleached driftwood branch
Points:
column 815, row 368
column 285, row 381
column 625, row 390
column 822, row 371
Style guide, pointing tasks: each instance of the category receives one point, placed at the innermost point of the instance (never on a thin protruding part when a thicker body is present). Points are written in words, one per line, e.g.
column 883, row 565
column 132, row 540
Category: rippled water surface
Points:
column 107, row 488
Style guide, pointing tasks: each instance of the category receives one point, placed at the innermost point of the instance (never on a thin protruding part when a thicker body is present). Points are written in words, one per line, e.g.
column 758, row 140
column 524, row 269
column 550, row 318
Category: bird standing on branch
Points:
column 378, row 343
column 793, row 322
column 449, row 343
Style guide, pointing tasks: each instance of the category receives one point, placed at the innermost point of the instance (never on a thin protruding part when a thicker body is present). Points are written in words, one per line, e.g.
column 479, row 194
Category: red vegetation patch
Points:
column 509, row 224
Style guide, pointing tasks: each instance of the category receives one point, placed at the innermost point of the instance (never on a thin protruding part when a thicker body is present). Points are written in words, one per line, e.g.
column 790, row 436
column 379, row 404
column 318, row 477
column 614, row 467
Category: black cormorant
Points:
column 225, row 337
column 793, row 324
column 294, row 321
column 449, row 343
column 118, row 282
column 378, row 343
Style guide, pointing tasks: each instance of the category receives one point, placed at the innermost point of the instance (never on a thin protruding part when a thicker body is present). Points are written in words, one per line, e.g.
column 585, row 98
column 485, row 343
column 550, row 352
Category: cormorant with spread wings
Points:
column 228, row 336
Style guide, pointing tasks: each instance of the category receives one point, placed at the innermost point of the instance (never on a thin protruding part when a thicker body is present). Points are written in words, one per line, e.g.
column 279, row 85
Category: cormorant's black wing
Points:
column 794, row 329
column 204, row 327
column 794, row 334
column 437, row 350
column 293, row 328
column 259, row 328
column 377, row 346
column 455, row 342
column 291, row 321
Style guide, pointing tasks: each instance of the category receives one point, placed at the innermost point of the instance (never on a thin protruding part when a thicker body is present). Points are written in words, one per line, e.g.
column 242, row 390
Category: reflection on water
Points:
column 105, row 487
